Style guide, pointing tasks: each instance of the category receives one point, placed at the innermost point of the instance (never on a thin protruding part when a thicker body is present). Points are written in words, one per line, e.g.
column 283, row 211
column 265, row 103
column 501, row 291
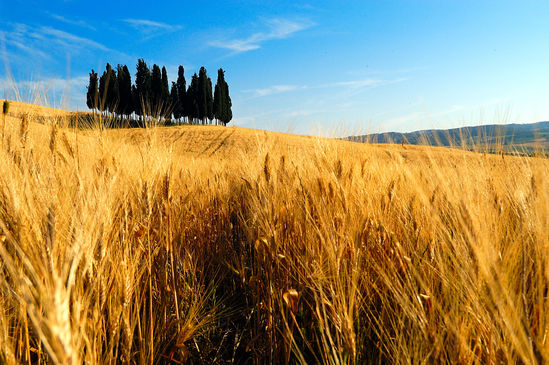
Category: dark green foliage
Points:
column 156, row 90
column 165, row 95
column 174, row 102
column 181, row 86
column 142, row 88
column 204, row 96
column 125, row 106
column 103, row 84
column 108, row 90
column 151, row 95
column 135, row 100
column 192, row 99
column 209, row 100
column 92, row 94
column 222, row 101
column 113, row 93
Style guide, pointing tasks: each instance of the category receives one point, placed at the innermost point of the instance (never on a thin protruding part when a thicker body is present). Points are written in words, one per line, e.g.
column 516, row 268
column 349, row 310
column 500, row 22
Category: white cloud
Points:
column 275, row 29
column 23, row 47
column 236, row 45
column 79, row 23
column 304, row 113
column 48, row 91
column 151, row 28
column 275, row 89
column 71, row 40
column 352, row 85
column 359, row 83
column 44, row 41
column 45, row 84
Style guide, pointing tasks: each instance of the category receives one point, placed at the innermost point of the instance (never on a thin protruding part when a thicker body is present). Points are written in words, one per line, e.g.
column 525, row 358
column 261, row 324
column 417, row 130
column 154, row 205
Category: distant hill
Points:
column 513, row 137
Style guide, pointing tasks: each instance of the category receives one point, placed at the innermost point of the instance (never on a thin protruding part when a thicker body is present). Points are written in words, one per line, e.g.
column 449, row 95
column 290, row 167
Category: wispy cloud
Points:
column 13, row 41
column 51, row 91
column 303, row 113
column 46, row 84
column 352, row 86
column 150, row 28
column 78, row 23
column 44, row 42
column 360, row 83
column 275, row 29
column 365, row 83
column 275, row 89
column 18, row 37
column 71, row 40
column 394, row 72
column 355, row 87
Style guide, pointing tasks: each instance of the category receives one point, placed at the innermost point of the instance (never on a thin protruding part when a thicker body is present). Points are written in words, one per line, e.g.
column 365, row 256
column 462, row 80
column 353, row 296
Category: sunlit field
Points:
column 206, row 244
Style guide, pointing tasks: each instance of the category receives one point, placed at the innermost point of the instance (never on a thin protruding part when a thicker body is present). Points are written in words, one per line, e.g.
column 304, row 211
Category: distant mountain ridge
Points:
column 519, row 137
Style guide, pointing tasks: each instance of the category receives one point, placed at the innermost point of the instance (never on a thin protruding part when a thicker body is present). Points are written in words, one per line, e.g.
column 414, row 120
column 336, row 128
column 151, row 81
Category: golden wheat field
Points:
column 203, row 244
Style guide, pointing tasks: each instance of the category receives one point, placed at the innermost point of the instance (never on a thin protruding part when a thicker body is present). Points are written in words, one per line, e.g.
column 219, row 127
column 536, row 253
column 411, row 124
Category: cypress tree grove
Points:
column 92, row 94
column 151, row 95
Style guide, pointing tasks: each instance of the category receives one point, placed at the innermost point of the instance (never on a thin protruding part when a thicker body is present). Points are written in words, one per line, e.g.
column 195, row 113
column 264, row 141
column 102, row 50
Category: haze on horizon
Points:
column 323, row 66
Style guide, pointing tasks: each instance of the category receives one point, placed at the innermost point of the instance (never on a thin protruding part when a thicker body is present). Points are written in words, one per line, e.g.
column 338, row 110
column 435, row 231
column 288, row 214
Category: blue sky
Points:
column 314, row 68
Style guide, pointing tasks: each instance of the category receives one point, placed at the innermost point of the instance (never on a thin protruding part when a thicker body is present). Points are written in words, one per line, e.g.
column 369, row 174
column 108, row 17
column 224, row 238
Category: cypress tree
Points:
column 113, row 94
column 204, row 96
column 181, row 86
column 91, row 95
column 108, row 90
column 174, row 102
column 125, row 90
column 135, row 100
column 192, row 99
column 129, row 96
column 222, row 100
column 142, row 88
column 156, row 90
column 201, row 94
column 103, row 86
column 219, row 98
column 209, row 100
column 165, row 91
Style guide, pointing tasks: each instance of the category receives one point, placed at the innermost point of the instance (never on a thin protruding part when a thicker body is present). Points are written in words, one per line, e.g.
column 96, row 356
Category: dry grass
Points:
column 220, row 245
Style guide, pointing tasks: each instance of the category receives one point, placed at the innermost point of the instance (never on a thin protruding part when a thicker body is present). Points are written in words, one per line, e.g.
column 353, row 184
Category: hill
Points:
column 520, row 137
column 209, row 141
column 17, row 109
column 203, row 244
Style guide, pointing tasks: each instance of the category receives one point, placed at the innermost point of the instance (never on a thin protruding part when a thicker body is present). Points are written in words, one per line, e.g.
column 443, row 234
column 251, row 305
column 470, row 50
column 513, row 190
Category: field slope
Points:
column 203, row 244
